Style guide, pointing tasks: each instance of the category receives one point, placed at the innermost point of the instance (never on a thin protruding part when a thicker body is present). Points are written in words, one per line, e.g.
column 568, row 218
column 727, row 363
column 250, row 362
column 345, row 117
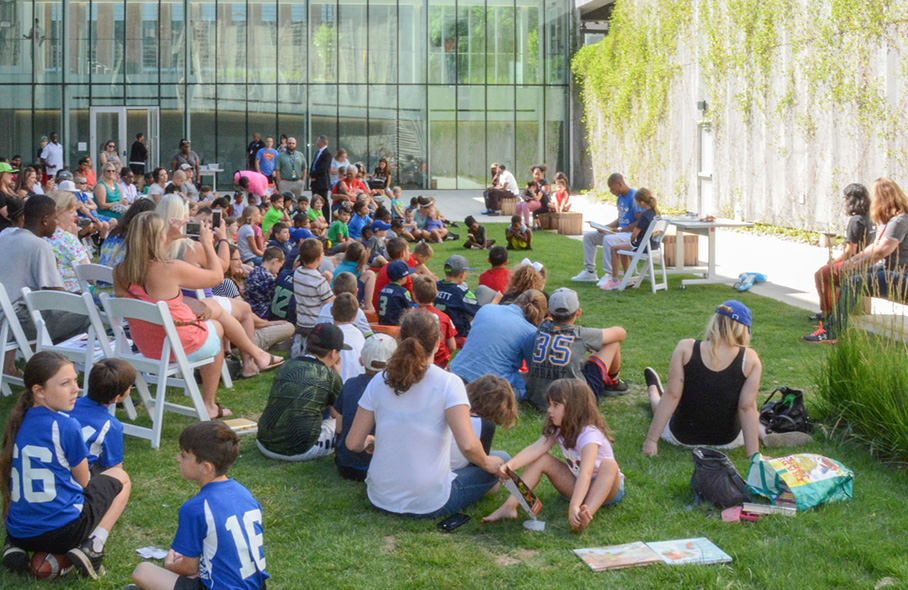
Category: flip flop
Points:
column 221, row 412
column 274, row 364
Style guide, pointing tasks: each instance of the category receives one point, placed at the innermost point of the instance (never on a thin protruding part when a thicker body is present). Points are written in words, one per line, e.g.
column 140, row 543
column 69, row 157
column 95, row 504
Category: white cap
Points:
column 67, row 185
column 377, row 351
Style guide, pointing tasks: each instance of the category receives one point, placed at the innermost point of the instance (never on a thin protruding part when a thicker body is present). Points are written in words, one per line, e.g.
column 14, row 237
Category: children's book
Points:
column 601, row 227
column 618, row 556
column 700, row 551
column 523, row 493
column 242, row 426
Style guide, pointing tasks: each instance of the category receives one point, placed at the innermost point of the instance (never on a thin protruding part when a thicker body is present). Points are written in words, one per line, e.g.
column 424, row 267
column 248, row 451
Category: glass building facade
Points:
column 440, row 87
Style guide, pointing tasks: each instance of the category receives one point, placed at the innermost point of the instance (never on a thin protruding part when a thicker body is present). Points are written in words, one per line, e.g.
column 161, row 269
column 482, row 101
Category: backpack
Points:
column 786, row 414
column 716, row 480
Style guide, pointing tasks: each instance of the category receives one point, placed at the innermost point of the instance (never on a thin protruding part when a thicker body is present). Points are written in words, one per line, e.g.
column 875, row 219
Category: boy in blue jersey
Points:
column 455, row 298
column 108, row 383
column 219, row 534
column 394, row 298
column 359, row 220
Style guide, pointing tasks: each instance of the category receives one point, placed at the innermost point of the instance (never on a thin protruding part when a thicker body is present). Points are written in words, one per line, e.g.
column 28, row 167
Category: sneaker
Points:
column 15, row 559
column 586, row 276
column 612, row 285
column 606, row 278
column 86, row 560
column 619, row 388
column 451, row 236
column 821, row 336
column 786, row 439
column 653, row 380
column 817, row 317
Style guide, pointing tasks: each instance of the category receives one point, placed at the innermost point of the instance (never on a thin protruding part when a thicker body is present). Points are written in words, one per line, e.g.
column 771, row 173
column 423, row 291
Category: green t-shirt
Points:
column 271, row 217
column 292, row 420
column 338, row 228
column 313, row 214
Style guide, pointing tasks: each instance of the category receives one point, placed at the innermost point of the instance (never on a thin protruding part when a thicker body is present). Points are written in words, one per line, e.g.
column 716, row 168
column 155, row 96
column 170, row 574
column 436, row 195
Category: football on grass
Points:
column 47, row 566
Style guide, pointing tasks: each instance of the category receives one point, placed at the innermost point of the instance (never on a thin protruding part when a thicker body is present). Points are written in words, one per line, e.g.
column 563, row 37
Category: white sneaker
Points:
column 586, row 276
column 604, row 281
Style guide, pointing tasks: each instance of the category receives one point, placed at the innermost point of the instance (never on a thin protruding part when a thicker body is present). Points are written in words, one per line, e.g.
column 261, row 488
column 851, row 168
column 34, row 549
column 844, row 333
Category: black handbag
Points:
column 716, row 480
column 786, row 414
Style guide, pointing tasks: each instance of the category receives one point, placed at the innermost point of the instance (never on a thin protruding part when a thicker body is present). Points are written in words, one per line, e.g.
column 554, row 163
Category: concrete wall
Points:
column 785, row 161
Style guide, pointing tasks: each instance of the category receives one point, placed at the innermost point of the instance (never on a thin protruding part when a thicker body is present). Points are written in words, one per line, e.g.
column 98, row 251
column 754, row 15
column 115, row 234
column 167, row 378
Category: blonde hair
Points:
column 172, row 206
column 144, row 245
column 888, row 200
column 722, row 330
column 64, row 200
column 176, row 250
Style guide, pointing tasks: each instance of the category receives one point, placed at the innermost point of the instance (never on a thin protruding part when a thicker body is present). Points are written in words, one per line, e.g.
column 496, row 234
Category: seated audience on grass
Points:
column 410, row 472
column 419, row 260
column 492, row 404
column 73, row 513
column 518, row 235
column 339, row 233
column 859, row 233
column 107, row 193
column 496, row 278
column 435, row 226
column 275, row 213
column 113, row 249
column 359, row 220
column 644, row 200
column 710, row 398
column 310, row 289
column 589, row 475
column 68, row 250
column 502, row 340
column 234, row 283
column 398, row 207
column 345, row 282
column 109, row 384
column 88, row 209
column 394, row 299
column 377, row 351
column 529, row 275
column 476, row 236
column 424, row 292
column 291, row 427
column 560, row 352
column 208, row 549
column 280, row 238
column 301, row 227
column 455, row 298
column 881, row 268
column 250, row 251
column 260, row 282
column 344, row 310
column 317, row 223
column 354, row 262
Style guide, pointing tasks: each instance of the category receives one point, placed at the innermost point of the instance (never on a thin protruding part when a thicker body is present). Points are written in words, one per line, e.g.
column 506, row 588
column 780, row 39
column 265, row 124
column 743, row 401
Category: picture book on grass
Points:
column 700, row 551
column 523, row 493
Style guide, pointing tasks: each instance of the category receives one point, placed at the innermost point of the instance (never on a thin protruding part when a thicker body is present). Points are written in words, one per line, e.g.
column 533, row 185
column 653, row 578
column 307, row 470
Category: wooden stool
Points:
column 506, row 205
column 568, row 224
column 691, row 247
column 546, row 220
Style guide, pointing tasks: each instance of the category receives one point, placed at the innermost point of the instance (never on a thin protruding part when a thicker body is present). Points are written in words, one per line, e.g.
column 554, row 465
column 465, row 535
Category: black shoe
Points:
column 652, row 378
column 619, row 388
column 453, row 224
column 817, row 317
column 86, row 560
column 15, row 559
column 493, row 213
column 450, row 236
column 821, row 336
column 509, row 247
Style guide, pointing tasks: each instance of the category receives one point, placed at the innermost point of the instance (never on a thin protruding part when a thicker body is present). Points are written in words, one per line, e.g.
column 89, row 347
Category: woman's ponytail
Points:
column 408, row 365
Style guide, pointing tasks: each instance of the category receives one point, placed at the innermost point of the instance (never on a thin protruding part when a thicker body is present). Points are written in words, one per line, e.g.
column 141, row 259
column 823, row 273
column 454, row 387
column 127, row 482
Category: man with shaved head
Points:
column 290, row 170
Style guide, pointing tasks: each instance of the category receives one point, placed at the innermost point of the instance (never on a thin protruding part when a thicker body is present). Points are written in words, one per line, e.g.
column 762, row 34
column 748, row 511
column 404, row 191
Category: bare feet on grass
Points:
column 506, row 510
column 585, row 519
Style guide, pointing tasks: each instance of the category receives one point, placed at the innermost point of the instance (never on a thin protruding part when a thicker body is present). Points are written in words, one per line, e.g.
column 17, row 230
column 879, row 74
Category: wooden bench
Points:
column 567, row 224
column 506, row 205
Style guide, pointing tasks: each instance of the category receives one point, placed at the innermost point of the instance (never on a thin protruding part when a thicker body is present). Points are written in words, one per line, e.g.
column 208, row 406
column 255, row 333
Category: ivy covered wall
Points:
column 802, row 97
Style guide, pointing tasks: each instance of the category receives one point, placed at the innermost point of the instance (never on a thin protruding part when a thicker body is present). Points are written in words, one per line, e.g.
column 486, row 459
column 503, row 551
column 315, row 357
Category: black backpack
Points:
column 786, row 414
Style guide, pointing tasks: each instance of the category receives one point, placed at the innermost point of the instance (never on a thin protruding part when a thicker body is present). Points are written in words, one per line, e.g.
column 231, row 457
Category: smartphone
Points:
column 216, row 219
column 193, row 230
column 453, row 522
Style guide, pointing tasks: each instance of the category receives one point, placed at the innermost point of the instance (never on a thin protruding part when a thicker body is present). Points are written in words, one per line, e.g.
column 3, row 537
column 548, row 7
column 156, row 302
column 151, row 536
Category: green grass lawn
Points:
column 320, row 531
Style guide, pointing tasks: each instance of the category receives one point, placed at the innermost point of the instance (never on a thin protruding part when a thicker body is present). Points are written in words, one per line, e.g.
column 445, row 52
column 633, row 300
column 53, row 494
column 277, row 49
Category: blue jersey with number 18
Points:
column 44, row 494
column 222, row 526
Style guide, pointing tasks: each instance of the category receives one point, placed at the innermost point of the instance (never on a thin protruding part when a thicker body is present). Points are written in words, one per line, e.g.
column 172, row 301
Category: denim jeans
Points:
column 877, row 282
column 469, row 486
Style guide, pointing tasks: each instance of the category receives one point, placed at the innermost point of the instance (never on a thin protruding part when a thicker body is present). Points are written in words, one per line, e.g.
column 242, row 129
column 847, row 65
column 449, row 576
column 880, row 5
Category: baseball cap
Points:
column 377, row 351
column 288, row 195
column 379, row 225
column 67, row 185
column 456, row 263
column 184, row 142
column 398, row 270
column 64, row 175
column 5, row 167
column 185, row 167
column 736, row 311
column 564, row 301
column 328, row 336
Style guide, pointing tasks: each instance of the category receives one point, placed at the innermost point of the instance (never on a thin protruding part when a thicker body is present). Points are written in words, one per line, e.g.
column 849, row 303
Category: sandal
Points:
column 222, row 412
column 274, row 364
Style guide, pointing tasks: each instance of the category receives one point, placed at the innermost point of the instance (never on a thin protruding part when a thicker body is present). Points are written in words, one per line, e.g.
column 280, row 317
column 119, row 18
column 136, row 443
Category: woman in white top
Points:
column 127, row 186
column 415, row 407
column 339, row 161
column 157, row 188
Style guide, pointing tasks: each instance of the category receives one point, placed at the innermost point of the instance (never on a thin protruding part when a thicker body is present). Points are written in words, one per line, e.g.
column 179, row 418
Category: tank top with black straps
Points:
column 708, row 411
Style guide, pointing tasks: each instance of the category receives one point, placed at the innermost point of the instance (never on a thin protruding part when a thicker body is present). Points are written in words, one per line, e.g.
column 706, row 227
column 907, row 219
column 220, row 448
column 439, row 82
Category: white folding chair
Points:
column 10, row 326
column 650, row 247
column 178, row 373
column 89, row 274
column 226, row 380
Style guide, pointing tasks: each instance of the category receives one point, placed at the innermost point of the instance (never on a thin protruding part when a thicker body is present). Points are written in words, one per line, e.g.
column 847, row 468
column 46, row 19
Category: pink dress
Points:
column 149, row 338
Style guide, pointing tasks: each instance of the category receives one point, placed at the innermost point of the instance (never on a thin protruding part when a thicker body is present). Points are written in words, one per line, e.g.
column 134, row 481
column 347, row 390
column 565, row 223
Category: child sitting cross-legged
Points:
column 345, row 282
column 497, row 277
column 589, row 475
column 51, row 502
column 354, row 262
column 219, row 541
column 374, row 357
column 492, row 403
column 424, row 291
column 108, row 384
column 519, row 236
column 261, row 282
column 476, row 238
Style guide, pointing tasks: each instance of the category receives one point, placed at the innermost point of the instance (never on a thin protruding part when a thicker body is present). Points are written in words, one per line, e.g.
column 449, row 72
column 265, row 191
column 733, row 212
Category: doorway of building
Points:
column 122, row 124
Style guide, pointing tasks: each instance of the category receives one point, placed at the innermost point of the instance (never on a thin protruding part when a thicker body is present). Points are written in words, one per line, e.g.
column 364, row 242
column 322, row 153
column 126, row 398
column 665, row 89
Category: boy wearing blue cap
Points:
column 376, row 247
column 394, row 298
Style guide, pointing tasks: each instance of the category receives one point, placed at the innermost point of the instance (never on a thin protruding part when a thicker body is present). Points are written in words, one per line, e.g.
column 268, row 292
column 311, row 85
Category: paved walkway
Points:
column 789, row 266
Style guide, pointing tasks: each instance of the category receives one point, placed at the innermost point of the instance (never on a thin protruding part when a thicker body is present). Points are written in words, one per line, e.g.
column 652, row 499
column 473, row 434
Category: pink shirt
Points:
column 258, row 182
column 588, row 435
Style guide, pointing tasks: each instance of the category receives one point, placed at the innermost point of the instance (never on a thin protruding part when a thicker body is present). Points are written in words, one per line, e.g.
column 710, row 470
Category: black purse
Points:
column 786, row 414
column 716, row 480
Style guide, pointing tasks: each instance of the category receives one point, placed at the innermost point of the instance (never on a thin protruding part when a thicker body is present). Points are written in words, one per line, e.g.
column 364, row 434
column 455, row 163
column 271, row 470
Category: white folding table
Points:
column 702, row 228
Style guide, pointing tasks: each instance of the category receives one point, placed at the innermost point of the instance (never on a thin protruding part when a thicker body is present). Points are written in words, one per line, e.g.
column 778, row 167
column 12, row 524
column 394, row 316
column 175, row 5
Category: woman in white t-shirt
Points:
column 414, row 408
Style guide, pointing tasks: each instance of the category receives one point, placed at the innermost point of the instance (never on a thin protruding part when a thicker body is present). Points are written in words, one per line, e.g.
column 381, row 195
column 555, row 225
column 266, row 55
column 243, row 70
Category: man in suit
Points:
column 320, row 174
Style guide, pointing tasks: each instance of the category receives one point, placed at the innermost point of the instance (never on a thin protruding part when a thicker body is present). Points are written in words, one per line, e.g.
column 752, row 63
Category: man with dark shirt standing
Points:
column 253, row 150
column 138, row 155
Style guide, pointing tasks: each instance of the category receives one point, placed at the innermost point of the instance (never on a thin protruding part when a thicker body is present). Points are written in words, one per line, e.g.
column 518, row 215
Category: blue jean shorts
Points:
column 210, row 348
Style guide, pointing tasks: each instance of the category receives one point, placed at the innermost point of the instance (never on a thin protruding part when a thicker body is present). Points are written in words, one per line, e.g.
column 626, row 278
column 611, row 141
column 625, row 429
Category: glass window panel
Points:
column 17, row 41
column 141, row 42
column 556, row 132
column 382, row 127
column 412, row 151
column 46, row 43
column 48, row 117
column 442, row 42
column 78, row 131
column 291, row 115
column 231, row 42
column 383, row 34
column 202, row 45
column 442, row 137
column 529, row 42
column 530, row 130
column 261, row 115
column 471, row 42
column 172, row 35
column 107, row 51
column 232, row 137
column 411, row 41
column 323, row 39
column 501, row 50
column 323, row 119
column 352, row 43
column 293, row 44
column 172, row 126
column 471, row 137
column 352, row 121
column 500, row 128
column 263, row 34
column 202, row 124
column 16, row 135
column 557, row 41
column 77, row 64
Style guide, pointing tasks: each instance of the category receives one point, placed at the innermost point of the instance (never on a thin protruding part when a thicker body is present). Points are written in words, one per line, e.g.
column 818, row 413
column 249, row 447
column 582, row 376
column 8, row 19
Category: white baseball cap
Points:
column 377, row 351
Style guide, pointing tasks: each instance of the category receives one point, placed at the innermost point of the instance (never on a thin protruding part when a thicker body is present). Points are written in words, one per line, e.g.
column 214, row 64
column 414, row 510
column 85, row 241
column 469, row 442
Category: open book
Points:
column 523, row 493
column 699, row 551
column 601, row 227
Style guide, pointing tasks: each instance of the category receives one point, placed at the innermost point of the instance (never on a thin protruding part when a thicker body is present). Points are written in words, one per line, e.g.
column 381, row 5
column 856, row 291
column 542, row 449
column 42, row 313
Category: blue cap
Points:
column 398, row 270
column 379, row 225
column 736, row 311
